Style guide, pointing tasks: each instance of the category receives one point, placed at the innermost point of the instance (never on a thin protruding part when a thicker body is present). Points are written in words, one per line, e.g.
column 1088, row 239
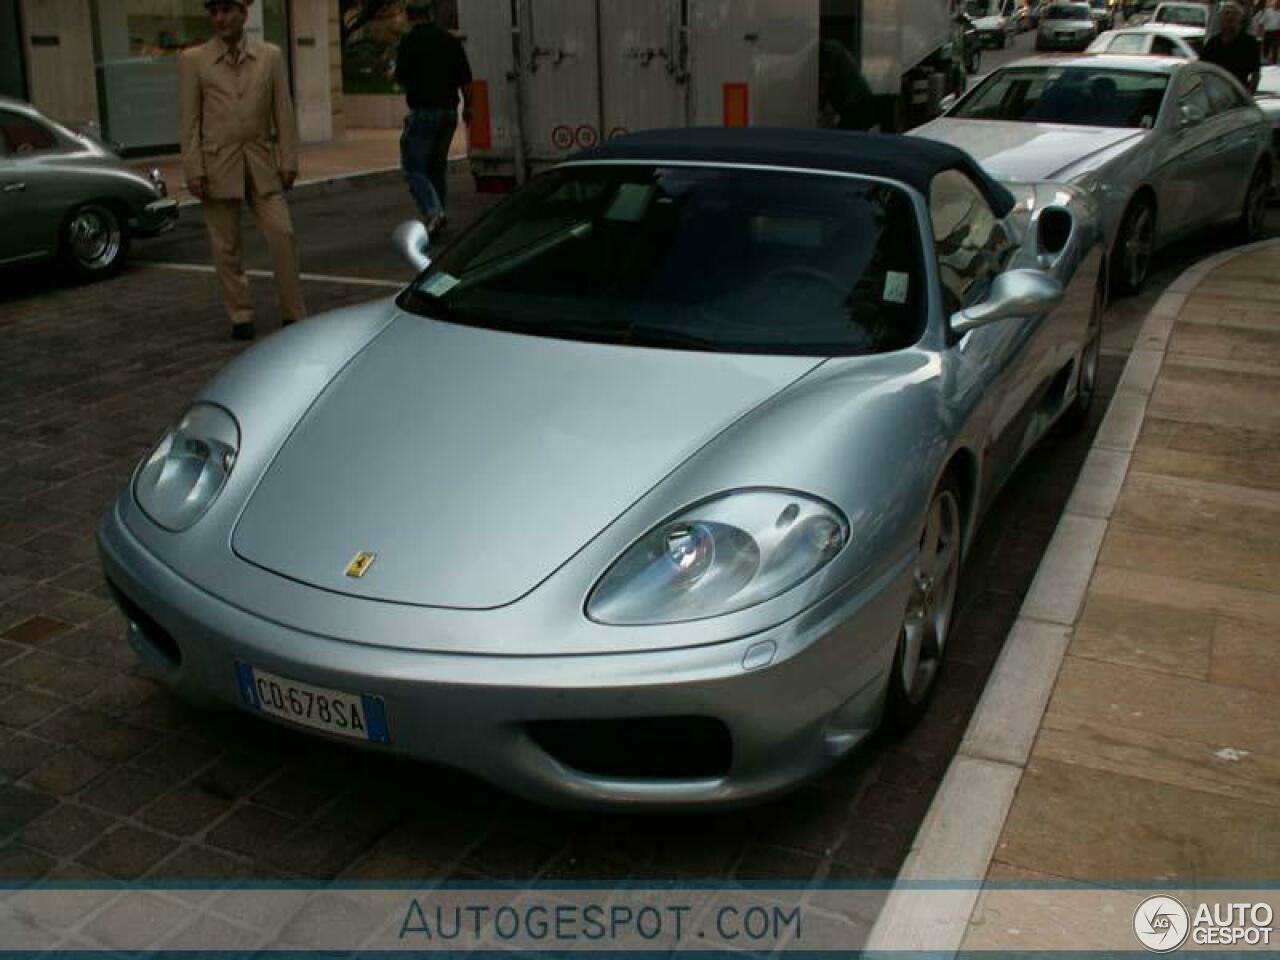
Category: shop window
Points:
column 137, row 43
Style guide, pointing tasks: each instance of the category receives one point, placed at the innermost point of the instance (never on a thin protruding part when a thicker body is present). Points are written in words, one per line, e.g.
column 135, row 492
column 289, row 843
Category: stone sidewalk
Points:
column 1131, row 732
column 362, row 152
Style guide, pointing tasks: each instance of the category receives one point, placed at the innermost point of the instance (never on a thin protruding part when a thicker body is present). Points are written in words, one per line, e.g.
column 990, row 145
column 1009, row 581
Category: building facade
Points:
column 114, row 62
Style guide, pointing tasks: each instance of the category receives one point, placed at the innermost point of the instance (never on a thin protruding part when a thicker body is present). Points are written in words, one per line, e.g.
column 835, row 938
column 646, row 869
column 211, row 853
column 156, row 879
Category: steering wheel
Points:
column 806, row 273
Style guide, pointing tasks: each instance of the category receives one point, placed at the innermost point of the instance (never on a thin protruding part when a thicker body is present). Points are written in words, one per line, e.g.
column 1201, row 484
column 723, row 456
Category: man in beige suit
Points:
column 234, row 96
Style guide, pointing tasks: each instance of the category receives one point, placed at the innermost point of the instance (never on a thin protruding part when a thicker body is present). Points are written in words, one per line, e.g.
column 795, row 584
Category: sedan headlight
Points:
column 189, row 467
column 721, row 556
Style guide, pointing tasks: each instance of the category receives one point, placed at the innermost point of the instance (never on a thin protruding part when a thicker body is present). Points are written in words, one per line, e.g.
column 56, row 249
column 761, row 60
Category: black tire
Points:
column 930, row 610
column 1253, row 216
column 94, row 242
column 1135, row 243
column 1076, row 416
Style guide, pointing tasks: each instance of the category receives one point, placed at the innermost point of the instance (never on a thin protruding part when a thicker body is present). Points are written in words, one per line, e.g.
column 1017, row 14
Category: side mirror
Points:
column 1189, row 115
column 413, row 242
column 1018, row 293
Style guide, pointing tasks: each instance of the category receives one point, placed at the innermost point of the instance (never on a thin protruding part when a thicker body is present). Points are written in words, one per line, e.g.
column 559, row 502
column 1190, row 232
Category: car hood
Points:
column 1047, row 26
column 473, row 463
column 989, row 23
column 1029, row 151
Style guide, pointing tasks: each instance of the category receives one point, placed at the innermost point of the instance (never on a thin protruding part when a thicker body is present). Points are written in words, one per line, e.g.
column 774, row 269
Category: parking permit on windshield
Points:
column 896, row 286
column 440, row 284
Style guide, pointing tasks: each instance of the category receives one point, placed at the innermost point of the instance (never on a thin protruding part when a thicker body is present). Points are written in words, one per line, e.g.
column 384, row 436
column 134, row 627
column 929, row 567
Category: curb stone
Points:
column 959, row 834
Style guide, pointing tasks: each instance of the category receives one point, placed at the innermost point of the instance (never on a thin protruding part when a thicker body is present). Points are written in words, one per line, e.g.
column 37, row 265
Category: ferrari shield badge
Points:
column 360, row 564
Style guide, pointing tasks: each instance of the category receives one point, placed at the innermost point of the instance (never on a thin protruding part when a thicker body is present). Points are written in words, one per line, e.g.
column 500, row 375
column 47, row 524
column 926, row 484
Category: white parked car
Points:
column 1182, row 42
column 1066, row 26
column 1183, row 14
column 1268, row 98
column 996, row 20
column 1166, row 146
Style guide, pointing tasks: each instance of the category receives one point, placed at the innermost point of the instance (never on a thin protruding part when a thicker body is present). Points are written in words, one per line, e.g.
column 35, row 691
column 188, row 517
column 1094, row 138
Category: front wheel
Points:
column 94, row 244
column 927, row 619
column 1254, row 214
column 1134, row 245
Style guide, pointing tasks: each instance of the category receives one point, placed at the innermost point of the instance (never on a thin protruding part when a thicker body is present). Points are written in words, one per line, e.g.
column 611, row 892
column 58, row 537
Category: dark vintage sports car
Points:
column 651, row 489
column 67, row 194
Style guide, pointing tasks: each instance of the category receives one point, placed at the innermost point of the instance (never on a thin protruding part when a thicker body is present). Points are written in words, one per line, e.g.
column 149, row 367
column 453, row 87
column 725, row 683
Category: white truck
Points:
column 554, row 76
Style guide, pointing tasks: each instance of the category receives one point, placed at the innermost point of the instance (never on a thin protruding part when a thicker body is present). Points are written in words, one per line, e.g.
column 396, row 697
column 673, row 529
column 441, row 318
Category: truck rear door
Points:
column 640, row 65
column 560, row 84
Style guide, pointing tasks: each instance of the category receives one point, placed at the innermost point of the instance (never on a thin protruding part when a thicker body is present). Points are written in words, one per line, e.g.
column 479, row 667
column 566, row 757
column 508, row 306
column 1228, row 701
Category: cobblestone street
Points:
column 104, row 775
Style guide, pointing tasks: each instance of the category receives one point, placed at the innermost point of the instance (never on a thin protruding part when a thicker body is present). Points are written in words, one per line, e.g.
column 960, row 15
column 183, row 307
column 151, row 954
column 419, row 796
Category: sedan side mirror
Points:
column 1189, row 115
column 413, row 242
column 1018, row 293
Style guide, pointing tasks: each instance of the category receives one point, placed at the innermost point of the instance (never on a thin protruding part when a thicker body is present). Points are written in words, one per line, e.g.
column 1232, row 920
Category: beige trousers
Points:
column 271, row 213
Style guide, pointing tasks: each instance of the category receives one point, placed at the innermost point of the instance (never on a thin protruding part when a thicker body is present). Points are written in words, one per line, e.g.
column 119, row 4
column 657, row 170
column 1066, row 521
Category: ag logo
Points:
column 1161, row 924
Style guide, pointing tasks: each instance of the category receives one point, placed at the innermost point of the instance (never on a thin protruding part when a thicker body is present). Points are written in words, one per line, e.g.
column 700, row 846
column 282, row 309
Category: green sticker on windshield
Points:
column 440, row 284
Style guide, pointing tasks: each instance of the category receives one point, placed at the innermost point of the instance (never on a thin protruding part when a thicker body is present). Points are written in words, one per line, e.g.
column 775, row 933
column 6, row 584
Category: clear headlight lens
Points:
column 721, row 556
column 189, row 467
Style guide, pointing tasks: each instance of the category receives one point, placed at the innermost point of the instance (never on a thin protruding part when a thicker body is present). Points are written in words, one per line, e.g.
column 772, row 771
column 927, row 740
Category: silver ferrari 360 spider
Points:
column 651, row 489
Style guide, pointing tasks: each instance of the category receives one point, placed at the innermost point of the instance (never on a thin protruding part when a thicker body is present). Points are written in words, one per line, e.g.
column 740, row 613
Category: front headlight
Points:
column 188, row 468
column 721, row 556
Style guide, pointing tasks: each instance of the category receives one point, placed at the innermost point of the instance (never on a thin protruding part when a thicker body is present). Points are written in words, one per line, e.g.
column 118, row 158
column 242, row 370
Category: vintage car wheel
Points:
column 1254, row 215
column 93, row 241
column 1077, row 415
column 1134, row 246
column 927, row 620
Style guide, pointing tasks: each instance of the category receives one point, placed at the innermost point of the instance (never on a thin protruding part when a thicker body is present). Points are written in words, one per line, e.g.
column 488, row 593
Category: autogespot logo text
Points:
column 1161, row 924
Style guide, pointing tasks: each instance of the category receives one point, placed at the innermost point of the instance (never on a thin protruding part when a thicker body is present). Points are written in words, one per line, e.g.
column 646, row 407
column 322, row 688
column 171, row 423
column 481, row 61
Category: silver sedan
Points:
column 651, row 489
column 1166, row 146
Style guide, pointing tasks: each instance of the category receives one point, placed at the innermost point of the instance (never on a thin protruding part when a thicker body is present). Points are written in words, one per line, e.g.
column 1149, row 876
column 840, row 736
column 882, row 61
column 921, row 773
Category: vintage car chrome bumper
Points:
column 726, row 722
column 158, row 216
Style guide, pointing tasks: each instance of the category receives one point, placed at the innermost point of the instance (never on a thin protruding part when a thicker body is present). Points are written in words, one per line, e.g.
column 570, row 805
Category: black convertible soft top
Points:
column 910, row 160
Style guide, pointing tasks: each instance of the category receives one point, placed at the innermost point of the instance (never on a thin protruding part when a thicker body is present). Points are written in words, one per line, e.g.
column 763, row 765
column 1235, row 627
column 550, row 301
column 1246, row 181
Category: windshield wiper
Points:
column 656, row 335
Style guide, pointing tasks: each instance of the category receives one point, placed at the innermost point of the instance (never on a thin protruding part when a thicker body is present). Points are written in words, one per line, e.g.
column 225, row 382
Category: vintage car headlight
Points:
column 723, row 555
column 189, row 467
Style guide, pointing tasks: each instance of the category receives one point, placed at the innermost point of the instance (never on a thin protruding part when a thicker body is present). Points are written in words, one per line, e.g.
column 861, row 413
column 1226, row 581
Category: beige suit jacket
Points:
column 229, row 115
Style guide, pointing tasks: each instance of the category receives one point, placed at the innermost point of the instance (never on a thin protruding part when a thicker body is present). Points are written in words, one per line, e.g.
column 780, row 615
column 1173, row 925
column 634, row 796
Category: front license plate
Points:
column 354, row 715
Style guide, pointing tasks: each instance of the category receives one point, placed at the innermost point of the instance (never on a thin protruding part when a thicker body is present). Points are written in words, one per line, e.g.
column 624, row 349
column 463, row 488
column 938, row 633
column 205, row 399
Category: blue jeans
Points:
column 424, row 155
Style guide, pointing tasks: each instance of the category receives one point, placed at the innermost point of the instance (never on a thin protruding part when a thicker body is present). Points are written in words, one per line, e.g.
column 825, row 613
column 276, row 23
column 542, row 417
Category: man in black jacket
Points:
column 1233, row 49
column 431, row 68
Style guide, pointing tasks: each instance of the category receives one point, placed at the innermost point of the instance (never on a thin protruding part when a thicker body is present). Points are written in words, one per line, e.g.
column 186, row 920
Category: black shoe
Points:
column 243, row 331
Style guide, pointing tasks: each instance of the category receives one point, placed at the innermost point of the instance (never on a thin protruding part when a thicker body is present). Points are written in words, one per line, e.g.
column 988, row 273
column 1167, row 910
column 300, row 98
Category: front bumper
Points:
column 158, row 216
column 793, row 699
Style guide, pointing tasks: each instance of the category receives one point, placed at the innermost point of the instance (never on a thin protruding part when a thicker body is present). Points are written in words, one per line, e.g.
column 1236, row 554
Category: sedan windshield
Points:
column 1184, row 16
column 702, row 258
column 1084, row 96
column 1068, row 11
column 982, row 8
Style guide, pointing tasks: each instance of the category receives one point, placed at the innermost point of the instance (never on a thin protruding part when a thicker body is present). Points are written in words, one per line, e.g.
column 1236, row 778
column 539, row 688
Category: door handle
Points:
column 14, row 187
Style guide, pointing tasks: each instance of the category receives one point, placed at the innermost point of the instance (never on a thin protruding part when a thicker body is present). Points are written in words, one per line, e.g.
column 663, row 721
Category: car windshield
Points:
column 1068, row 11
column 983, row 8
column 1084, row 96
column 1098, row 4
column 1185, row 16
column 692, row 257
column 1124, row 43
